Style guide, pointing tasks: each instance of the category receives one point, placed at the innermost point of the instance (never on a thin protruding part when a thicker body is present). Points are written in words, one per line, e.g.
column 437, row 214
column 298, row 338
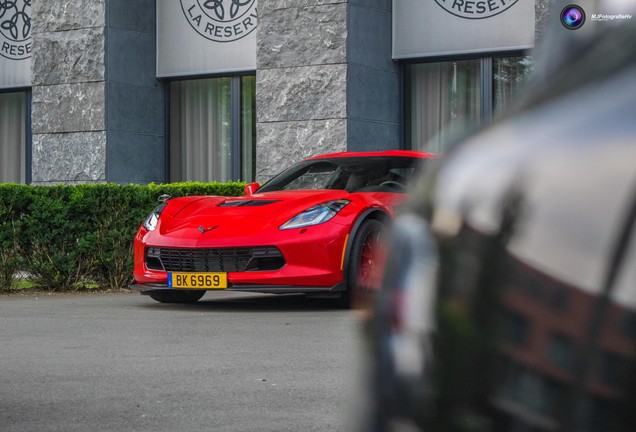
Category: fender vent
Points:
column 247, row 203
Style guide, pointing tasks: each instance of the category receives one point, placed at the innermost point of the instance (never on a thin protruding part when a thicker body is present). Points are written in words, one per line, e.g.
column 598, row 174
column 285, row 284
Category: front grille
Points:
column 214, row 259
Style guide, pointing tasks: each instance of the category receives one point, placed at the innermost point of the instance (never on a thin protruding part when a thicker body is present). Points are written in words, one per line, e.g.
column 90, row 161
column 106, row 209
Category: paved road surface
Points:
column 122, row 362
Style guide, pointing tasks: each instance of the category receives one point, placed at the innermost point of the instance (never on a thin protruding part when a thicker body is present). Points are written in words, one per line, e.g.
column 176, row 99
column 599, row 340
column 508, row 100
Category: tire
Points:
column 176, row 296
column 361, row 273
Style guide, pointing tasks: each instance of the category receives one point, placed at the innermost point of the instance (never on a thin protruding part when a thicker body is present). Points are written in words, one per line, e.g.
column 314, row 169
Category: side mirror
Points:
column 251, row 188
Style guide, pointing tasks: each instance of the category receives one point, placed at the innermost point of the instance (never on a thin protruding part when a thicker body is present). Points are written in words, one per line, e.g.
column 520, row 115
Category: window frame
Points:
column 487, row 90
column 236, row 110
column 28, row 133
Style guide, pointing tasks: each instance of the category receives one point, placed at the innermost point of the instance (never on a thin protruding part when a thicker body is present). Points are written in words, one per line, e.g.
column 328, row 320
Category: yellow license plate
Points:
column 197, row 280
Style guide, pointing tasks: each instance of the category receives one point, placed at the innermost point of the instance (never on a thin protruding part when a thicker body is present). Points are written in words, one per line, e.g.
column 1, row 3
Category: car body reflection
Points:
column 525, row 316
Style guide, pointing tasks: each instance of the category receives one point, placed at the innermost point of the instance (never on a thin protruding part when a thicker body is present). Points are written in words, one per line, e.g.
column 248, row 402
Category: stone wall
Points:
column 373, row 89
column 68, row 84
column 325, row 80
column 134, row 97
column 301, row 81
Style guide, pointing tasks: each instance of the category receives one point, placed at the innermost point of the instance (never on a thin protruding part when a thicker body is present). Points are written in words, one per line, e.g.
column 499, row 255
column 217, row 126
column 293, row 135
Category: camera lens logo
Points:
column 572, row 17
column 221, row 20
column 15, row 29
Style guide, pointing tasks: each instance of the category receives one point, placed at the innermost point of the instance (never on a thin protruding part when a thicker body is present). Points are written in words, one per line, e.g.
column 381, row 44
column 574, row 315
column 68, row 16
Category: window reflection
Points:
column 509, row 73
column 559, row 347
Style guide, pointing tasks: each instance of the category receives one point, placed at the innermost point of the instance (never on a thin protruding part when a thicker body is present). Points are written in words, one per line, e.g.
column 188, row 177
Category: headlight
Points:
column 315, row 215
column 150, row 223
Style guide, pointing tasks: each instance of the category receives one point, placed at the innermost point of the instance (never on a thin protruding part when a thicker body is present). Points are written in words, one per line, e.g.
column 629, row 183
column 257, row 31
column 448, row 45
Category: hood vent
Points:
column 247, row 203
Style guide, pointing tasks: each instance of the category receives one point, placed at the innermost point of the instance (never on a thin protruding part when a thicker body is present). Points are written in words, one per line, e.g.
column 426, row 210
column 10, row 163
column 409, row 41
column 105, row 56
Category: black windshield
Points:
column 353, row 174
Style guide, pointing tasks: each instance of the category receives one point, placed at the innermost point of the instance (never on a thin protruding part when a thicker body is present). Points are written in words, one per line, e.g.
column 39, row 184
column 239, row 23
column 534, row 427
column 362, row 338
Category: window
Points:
column 508, row 73
column 212, row 129
column 612, row 369
column 530, row 391
column 517, row 329
column 13, row 133
column 353, row 174
column 440, row 98
column 560, row 351
column 445, row 99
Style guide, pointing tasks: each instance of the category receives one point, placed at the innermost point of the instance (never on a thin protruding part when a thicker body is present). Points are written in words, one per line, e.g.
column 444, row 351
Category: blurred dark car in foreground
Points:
column 509, row 302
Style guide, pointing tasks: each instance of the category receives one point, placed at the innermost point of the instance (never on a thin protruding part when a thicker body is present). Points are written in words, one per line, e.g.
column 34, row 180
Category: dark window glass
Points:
column 508, row 74
column 517, row 329
column 443, row 100
column 210, row 139
column 560, row 351
column 354, row 174
column 440, row 99
column 13, row 137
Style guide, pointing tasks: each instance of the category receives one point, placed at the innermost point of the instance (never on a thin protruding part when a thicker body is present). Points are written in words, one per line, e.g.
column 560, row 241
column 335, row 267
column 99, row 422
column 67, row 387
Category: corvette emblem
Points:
column 204, row 230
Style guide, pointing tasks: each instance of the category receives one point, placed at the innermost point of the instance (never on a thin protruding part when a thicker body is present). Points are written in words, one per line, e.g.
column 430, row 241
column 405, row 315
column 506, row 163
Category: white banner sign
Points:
column 15, row 43
column 197, row 37
column 427, row 28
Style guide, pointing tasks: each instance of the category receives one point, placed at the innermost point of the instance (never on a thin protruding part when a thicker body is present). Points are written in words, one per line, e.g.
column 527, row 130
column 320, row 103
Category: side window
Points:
column 13, row 130
column 440, row 97
column 443, row 99
column 212, row 129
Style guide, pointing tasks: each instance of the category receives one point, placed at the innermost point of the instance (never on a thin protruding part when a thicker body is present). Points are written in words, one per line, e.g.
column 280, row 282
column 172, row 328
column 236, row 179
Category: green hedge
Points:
column 72, row 237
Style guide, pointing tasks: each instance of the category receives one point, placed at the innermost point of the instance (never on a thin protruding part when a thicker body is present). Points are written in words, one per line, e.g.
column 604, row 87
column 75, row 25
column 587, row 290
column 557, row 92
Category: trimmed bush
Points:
column 13, row 201
column 72, row 237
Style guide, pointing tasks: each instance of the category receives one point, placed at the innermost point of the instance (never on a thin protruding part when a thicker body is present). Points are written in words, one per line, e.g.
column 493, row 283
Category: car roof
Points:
column 387, row 153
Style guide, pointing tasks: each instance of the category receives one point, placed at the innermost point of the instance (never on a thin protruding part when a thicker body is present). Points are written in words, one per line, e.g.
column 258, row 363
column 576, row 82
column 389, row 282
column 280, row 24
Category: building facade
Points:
column 177, row 90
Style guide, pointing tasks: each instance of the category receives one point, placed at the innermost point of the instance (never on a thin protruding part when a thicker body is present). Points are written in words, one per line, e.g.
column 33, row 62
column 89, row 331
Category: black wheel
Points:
column 176, row 296
column 362, row 272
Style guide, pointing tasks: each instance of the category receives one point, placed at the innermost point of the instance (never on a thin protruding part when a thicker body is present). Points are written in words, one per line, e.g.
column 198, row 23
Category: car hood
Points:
column 239, row 215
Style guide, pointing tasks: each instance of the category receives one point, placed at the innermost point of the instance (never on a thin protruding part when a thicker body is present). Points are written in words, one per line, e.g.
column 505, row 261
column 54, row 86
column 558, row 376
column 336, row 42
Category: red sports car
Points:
column 312, row 229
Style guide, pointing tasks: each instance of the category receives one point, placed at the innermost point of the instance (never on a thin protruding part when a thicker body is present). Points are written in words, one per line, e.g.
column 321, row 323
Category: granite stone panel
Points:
column 69, row 158
column 135, row 98
column 137, row 15
column 135, row 109
column 301, row 81
column 135, row 157
column 373, row 94
column 302, row 93
column 68, row 108
column 384, row 5
column 297, row 36
column 68, row 56
column 283, row 143
column 364, row 135
column 62, row 15
column 132, row 57
column 370, row 35
column 266, row 5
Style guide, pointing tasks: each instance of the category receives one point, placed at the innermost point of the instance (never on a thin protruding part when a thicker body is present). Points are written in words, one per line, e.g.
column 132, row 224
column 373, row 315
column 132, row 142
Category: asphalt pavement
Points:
column 122, row 362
